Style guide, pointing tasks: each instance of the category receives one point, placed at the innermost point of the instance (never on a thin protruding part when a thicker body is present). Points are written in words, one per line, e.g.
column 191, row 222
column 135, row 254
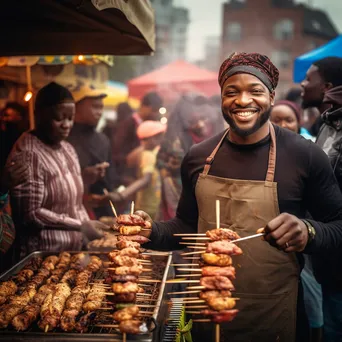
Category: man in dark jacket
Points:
column 322, row 88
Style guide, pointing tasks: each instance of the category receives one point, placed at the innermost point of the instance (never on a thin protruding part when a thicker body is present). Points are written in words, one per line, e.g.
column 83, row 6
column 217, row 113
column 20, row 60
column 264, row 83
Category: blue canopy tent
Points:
column 303, row 63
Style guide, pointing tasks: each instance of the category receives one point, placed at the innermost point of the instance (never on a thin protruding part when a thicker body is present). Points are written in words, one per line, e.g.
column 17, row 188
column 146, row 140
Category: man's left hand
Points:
column 287, row 232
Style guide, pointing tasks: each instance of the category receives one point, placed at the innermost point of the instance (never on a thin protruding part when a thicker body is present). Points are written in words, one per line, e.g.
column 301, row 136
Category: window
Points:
column 281, row 58
column 283, row 30
column 233, row 31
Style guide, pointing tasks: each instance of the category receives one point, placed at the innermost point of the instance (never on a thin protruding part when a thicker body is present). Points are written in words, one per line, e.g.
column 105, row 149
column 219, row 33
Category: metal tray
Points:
column 95, row 334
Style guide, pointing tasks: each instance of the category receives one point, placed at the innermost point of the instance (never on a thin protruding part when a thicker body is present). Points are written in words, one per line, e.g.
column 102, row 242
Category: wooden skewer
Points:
column 115, row 326
column 184, row 264
column 144, row 294
column 46, row 328
column 196, row 238
column 196, row 288
column 132, row 208
column 194, row 312
column 190, row 234
column 178, row 281
column 191, row 253
column 195, row 301
column 198, row 247
column 189, row 244
column 192, row 258
column 105, row 191
column 149, row 280
column 184, row 299
column 190, row 269
column 144, row 269
column 197, row 307
column 188, row 275
column 204, row 320
column 217, row 213
column 182, row 292
column 124, row 337
column 217, row 332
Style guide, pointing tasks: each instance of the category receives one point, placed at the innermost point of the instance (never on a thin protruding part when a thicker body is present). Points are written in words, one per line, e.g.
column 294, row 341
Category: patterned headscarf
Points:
column 255, row 64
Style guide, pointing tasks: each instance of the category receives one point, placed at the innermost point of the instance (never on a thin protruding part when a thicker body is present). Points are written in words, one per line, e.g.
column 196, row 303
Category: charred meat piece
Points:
column 69, row 277
column 130, row 220
column 120, row 279
column 79, row 261
column 84, row 322
column 221, row 303
column 127, row 287
column 136, row 238
column 126, row 244
column 126, row 313
column 135, row 270
column 23, row 321
column 215, row 294
column 225, row 317
column 129, row 230
column 23, row 276
column 95, row 264
column 133, row 326
column 119, row 260
column 210, row 271
column 222, row 234
column 129, row 251
column 95, row 298
column 216, row 283
column 124, row 298
column 217, row 259
column 7, row 288
column 223, row 247
column 82, row 278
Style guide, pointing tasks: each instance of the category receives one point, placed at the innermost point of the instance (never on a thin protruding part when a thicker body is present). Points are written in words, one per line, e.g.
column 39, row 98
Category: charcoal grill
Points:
column 161, row 270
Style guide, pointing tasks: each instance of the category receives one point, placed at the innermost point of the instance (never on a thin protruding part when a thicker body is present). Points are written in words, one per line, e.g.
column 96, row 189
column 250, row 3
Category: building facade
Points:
column 279, row 29
column 171, row 36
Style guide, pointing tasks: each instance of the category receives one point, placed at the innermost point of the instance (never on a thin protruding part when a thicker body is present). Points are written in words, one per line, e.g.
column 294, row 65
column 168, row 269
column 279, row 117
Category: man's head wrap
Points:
column 51, row 95
column 254, row 64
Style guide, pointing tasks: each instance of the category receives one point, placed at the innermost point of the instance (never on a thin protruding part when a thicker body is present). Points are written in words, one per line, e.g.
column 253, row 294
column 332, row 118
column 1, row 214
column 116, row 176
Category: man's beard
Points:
column 262, row 119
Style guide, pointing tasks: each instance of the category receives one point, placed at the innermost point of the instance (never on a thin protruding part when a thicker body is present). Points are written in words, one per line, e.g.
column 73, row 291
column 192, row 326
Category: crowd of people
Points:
column 272, row 163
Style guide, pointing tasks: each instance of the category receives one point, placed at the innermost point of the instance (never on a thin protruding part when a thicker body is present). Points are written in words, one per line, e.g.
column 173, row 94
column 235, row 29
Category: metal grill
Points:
column 160, row 270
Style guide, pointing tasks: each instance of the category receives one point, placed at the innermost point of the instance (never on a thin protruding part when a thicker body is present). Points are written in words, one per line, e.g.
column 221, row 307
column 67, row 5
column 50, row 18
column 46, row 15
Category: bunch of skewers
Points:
column 126, row 277
column 215, row 271
column 46, row 292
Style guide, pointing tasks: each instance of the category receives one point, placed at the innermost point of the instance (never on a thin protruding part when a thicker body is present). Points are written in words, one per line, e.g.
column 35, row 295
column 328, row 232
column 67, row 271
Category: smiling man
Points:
column 264, row 176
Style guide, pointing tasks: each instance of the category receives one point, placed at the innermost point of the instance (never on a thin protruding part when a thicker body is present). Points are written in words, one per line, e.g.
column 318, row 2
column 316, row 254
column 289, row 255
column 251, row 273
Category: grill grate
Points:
column 160, row 267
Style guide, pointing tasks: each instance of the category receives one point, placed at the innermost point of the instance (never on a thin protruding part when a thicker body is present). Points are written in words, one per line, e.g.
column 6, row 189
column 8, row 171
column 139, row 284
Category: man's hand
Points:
column 146, row 217
column 92, row 174
column 287, row 232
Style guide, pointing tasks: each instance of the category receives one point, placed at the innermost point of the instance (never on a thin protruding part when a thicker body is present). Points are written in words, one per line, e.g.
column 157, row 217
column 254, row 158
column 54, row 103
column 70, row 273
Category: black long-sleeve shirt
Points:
column 93, row 148
column 305, row 182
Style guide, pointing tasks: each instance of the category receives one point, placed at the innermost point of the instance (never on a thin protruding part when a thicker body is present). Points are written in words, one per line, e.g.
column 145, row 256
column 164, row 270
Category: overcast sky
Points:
column 206, row 16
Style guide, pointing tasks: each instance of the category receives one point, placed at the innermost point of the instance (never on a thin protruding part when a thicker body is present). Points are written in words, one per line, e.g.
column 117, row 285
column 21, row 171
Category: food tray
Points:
column 161, row 270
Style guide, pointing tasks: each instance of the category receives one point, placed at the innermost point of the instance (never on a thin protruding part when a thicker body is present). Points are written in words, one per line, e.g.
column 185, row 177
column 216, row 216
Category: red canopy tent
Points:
column 173, row 79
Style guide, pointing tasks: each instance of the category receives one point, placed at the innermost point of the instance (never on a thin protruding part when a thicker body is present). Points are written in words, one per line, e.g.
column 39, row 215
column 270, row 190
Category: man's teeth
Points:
column 244, row 114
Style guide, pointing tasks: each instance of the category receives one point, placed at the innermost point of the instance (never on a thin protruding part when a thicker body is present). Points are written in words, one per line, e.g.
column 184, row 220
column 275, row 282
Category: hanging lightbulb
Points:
column 80, row 58
column 162, row 110
column 163, row 120
column 28, row 96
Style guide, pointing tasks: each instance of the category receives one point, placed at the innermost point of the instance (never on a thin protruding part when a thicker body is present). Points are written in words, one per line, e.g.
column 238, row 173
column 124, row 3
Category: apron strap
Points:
column 271, row 158
column 210, row 159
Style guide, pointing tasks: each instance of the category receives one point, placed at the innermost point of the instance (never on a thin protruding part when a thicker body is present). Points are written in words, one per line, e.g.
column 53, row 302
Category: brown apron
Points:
column 266, row 278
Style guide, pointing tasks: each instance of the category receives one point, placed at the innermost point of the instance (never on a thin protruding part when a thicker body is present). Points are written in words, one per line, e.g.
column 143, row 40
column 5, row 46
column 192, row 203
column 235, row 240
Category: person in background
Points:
column 126, row 139
column 13, row 122
column 322, row 88
column 147, row 187
column 93, row 149
column 288, row 115
column 123, row 111
column 46, row 187
column 191, row 121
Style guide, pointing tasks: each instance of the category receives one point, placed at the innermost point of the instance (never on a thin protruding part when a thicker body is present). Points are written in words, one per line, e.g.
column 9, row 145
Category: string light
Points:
column 80, row 58
column 163, row 120
column 162, row 110
column 28, row 96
